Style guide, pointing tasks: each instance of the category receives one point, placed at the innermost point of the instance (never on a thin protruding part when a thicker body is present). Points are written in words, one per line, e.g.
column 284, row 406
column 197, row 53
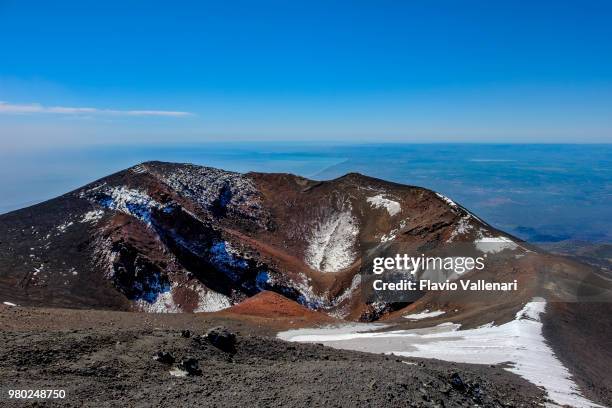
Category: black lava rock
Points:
column 457, row 382
column 190, row 365
column 163, row 357
column 222, row 339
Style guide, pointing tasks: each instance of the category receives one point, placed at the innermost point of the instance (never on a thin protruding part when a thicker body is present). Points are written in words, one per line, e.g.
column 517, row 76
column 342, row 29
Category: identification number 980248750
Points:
column 37, row 394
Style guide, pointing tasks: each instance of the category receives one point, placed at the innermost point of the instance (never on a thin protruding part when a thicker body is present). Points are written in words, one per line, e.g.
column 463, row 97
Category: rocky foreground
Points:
column 127, row 359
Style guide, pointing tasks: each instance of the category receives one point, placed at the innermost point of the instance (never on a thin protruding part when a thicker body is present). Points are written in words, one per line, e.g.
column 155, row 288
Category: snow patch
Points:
column 164, row 303
column 462, row 228
column 336, row 332
column 92, row 216
column 63, row 227
column 178, row 373
column 129, row 201
column 393, row 233
column 392, row 207
column 139, row 169
column 389, row 237
column 427, row 314
column 492, row 245
column 39, row 269
column 211, row 301
column 332, row 241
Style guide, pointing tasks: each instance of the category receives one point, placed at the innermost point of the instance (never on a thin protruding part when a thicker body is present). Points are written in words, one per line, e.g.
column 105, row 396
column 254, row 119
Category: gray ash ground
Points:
column 113, row 365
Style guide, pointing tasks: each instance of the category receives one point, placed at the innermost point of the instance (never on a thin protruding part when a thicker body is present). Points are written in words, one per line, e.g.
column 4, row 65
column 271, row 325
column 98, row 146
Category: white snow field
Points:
column 494, row 244
column 392, row 207
column 519, row 343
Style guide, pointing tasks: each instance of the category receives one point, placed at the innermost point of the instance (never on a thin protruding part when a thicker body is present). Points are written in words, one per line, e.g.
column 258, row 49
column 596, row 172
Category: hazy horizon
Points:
column 539, row 192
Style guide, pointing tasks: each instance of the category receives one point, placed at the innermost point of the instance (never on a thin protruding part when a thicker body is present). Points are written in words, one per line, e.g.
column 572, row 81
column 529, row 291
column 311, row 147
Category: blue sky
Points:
column 88, row 72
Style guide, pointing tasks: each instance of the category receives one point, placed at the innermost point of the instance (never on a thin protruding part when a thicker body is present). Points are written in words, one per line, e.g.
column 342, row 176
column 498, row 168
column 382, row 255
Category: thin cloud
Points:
column 8, row 108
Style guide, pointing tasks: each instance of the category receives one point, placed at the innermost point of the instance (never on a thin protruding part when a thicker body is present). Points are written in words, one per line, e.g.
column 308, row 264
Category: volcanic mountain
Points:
column 164, row 237
column 167, row 237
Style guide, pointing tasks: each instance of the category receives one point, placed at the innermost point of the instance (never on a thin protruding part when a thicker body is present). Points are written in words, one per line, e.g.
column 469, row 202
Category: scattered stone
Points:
column 163, row 357
column 186, row 334
column 457, row 382
column 222, row 339
column 439, row 404
column 190, row 366
column 476, row 392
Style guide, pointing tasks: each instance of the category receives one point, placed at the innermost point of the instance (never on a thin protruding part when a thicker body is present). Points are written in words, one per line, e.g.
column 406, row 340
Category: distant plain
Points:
column 542, row 193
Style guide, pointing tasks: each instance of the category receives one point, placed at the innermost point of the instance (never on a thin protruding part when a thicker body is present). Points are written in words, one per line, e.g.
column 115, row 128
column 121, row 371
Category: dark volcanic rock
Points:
column 457, row 382
column 222, row 339
column 189, row 365
column 163, row 357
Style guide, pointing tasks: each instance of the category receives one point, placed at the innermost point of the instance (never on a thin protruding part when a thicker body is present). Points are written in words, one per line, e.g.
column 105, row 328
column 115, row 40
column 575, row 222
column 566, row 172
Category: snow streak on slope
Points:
column 331, row 246
column 447, row 200
column 424, row 315
column 519, row 342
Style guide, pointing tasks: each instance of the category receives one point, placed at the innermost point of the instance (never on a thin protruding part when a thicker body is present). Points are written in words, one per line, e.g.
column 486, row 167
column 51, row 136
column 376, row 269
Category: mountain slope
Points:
column 171, row 237
column 166, row 237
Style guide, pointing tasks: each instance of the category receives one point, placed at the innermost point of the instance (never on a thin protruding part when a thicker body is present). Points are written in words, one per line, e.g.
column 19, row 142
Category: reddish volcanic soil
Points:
column 271, row 305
